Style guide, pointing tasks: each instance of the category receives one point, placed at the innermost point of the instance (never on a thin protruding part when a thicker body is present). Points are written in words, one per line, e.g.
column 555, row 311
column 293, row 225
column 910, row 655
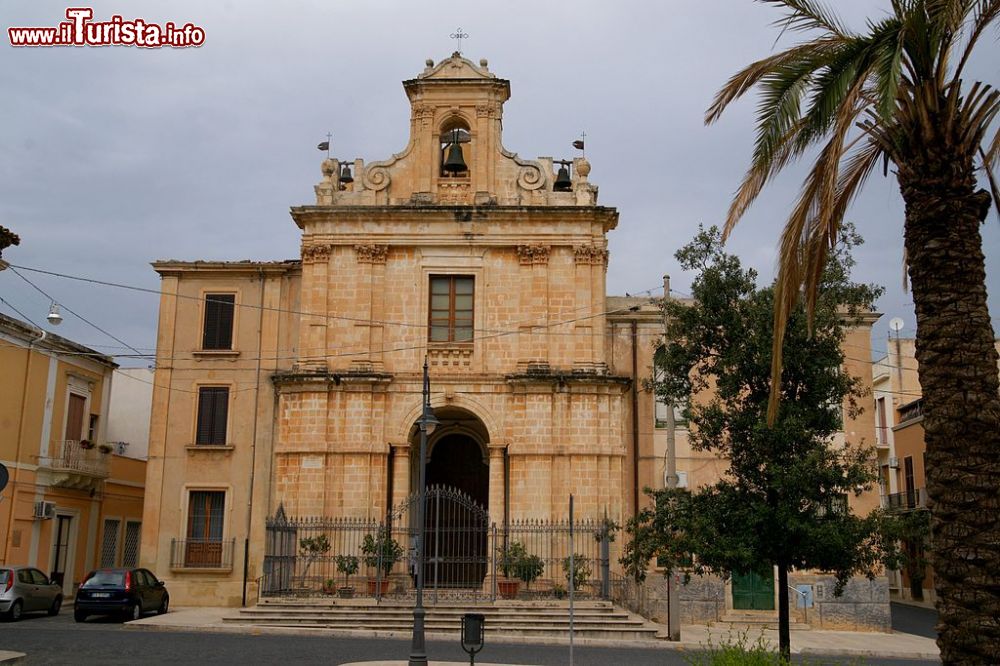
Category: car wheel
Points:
column 163, row 606
column 134, row 612
column 14, row 614
column 56, row 605
column 79, row 616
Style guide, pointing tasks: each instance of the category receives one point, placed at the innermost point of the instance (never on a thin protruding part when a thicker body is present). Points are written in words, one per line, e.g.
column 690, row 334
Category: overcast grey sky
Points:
column 113, row 157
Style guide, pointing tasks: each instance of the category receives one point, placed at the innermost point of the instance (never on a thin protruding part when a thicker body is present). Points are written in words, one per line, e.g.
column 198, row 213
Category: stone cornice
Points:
column 176, row 268
column 328, row 380
column 563, row 377
column 457, row 213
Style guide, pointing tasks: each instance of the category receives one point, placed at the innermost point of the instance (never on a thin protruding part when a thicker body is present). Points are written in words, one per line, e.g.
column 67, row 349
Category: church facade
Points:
column 297, row 384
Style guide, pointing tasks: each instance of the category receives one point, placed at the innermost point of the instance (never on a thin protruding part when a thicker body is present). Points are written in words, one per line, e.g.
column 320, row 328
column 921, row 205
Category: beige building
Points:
column 297, row 384
column 73, row 502
column 900, row 436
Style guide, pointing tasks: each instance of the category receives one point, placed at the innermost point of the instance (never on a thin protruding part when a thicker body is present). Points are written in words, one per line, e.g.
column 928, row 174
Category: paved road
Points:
column 914, row 620
column 59, row 640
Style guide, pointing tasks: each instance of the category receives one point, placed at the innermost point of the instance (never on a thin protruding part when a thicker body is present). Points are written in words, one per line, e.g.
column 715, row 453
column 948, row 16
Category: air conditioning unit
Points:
column 893, row 462
column 45, row 510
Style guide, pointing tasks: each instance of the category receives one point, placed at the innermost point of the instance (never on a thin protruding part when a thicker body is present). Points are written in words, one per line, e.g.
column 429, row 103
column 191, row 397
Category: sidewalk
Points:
column 833, row 643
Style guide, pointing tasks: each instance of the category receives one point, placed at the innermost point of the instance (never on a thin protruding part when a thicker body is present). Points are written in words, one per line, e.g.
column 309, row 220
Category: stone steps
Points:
column 755, row 622
column 543, row 619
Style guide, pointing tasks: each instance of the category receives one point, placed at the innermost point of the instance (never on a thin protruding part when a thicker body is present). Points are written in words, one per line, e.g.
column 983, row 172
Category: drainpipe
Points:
column 253, row 441
column 20, row 437
column 635, row 417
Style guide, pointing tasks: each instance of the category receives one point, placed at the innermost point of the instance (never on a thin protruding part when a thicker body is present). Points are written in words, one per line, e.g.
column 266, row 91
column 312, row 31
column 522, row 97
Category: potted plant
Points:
column 312, row 548
column 558, row 591
column 104, row 448
column 382, row 552
column 347, row 565
column 329, row 586
column 580, row 572
column 529, row 569
column 509, row 559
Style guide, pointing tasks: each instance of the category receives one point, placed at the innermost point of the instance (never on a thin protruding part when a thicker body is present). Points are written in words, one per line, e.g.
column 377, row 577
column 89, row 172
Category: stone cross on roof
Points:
column 458, row 36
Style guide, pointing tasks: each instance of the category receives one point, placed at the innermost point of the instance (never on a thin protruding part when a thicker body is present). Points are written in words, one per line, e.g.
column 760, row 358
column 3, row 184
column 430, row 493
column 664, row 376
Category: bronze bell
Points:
column 563, row 182
column 345, row 174
column 455, row 162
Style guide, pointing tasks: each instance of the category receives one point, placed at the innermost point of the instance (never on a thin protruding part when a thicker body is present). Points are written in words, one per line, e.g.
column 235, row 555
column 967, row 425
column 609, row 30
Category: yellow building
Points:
column 295, row 386
column 72, row 503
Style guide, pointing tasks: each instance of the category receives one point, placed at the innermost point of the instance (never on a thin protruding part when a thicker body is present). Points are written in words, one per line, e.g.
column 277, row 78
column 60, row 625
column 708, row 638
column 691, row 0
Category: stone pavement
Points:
column 8, row 657
column 833, row 643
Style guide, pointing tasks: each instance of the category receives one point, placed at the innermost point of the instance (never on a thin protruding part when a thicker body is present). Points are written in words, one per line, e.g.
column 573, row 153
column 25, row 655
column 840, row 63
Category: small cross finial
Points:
column 458, row 36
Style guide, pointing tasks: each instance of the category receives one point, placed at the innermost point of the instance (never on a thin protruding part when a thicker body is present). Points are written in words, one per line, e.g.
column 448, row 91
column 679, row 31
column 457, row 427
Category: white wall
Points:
column 128, row 416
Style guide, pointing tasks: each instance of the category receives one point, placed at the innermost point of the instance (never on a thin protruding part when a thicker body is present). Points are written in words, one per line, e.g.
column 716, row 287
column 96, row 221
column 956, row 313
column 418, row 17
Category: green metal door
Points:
column 753, row 591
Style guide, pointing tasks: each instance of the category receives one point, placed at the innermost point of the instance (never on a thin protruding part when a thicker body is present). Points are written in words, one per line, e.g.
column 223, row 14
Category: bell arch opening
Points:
column 455, row 152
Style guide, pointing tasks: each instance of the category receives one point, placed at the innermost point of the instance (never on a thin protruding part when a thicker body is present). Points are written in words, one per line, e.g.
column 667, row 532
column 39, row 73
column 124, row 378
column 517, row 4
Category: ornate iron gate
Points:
column 456, row 550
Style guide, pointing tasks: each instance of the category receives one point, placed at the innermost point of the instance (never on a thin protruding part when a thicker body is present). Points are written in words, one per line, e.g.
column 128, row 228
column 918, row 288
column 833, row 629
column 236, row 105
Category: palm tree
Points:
column 895, row 93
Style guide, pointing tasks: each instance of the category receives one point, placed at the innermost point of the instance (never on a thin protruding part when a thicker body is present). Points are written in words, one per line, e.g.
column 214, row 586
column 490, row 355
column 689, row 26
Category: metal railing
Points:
column 74, row 456
column 466, row 554
column 202, row 553
column 905, row 501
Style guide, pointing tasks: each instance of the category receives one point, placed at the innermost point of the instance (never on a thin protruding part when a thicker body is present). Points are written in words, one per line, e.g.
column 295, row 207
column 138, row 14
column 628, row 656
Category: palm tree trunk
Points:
column 961, row 399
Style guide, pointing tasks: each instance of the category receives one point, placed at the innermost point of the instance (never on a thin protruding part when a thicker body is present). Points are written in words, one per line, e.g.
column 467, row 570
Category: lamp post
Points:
column 427, row 423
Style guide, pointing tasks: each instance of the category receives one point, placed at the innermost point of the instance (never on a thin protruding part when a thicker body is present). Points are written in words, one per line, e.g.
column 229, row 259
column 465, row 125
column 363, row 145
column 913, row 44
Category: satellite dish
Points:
column 4, row 476
column 896, row 324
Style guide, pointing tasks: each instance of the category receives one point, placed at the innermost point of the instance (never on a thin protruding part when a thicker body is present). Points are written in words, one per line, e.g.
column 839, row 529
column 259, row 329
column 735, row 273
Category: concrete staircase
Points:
column 756, row 620
column 536, row 619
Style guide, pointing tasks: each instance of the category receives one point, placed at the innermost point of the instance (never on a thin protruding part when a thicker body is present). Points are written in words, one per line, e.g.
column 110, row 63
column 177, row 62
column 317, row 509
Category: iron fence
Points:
column 466, row 555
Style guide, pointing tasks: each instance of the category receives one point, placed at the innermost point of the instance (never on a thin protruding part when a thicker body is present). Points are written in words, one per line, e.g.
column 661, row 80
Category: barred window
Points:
column 109, row 546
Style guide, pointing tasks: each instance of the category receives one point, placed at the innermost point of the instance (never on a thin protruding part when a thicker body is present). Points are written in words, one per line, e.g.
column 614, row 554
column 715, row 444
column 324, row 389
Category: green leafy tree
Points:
column 783, row 501
column 895, row 92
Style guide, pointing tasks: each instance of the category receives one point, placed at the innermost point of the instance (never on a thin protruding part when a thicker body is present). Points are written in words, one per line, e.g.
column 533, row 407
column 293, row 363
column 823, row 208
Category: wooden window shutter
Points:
column 213, row 414
column 218, row 333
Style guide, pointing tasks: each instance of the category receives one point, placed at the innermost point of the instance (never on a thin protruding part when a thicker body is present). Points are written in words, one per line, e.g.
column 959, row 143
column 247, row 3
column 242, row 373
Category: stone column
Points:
column 498, row 491
column 400, row 473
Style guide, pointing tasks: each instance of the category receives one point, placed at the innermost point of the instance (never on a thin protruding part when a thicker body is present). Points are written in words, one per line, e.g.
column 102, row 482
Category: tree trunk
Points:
column 784, row 635
column 961, row 398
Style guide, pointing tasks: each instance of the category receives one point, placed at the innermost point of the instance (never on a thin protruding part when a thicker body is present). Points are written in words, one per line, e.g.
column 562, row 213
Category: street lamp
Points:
column 427, row 423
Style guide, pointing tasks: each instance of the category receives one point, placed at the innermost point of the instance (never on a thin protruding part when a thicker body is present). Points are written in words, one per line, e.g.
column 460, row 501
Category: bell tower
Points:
column 456, row 110
column 455, row 154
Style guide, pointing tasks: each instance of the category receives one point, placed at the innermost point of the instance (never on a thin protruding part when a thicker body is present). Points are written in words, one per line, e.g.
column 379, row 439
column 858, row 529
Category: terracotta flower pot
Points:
column 372, row 584
column 508, row 588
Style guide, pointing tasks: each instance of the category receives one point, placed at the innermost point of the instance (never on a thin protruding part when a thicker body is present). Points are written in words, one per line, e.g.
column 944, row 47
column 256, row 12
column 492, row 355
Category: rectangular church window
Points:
column 451, row 308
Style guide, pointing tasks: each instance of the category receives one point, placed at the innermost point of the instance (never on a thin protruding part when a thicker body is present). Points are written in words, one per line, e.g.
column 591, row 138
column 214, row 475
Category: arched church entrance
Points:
column 457, row 491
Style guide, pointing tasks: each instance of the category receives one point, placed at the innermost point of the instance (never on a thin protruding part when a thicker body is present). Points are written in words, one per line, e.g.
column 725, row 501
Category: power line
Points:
column 67, row 308
column 24, row 316
column 326, row 315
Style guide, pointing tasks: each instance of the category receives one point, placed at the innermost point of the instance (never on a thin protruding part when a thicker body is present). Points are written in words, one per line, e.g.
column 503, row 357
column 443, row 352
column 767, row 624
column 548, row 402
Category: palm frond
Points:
column 744, row 80
column 805, row 15
column 992, row 156
column 984, row 12
column 994, row 189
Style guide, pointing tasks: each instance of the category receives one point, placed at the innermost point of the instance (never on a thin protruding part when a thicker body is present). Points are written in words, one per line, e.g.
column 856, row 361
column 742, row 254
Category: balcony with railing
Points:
column 198, row 554
column 909, row 500
column 75, row 464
